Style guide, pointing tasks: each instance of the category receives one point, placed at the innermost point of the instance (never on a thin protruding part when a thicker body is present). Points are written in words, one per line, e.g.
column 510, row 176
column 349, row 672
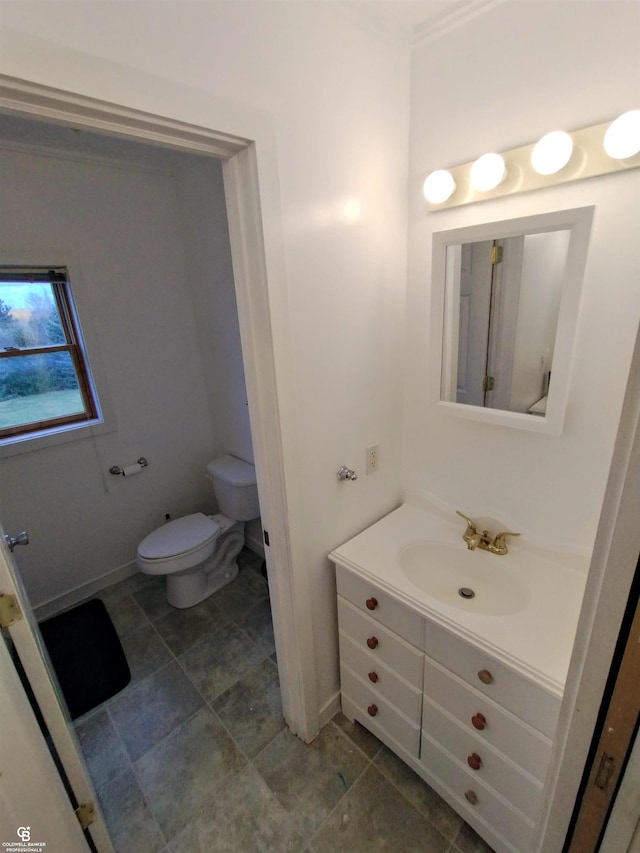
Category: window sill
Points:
column 52, row 437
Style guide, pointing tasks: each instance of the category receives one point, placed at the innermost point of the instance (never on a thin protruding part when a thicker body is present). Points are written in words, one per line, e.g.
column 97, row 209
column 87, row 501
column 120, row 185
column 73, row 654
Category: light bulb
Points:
column 487, row 172
column 439, row 186
column 552, row 152
column 622, row 139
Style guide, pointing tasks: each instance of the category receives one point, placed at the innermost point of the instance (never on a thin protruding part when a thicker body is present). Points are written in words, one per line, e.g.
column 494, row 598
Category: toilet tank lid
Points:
column 232, row 470
column 179, row 536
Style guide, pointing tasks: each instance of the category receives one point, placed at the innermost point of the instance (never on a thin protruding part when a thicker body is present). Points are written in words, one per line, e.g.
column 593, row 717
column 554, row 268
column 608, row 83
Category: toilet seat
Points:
column 179, row 544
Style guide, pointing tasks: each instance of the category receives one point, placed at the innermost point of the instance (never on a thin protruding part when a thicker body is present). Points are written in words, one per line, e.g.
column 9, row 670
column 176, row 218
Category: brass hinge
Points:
column 496, row 254
column 9, row 610
column 86, row 813
column 488, row 383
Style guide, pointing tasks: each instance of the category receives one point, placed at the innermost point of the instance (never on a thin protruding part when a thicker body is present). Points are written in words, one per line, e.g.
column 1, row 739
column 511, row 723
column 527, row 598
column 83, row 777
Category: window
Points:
column 45, row 382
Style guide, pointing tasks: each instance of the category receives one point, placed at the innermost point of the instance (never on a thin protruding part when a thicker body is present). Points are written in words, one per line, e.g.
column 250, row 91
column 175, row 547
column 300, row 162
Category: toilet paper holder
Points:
column 116, row 470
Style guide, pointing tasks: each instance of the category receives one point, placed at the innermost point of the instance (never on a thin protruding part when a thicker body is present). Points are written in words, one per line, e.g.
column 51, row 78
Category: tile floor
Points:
column 194, row 754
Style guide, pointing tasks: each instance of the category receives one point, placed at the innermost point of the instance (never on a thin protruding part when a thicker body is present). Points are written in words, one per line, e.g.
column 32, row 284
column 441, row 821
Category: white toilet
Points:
column 198, row 552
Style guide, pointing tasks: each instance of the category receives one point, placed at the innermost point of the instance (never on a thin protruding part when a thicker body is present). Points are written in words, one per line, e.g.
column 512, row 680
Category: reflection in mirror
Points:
column 502, row 302
column 505, row 299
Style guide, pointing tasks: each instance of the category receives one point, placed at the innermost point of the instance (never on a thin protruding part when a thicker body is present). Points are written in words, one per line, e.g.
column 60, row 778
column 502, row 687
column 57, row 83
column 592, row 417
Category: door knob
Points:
column 20, row 539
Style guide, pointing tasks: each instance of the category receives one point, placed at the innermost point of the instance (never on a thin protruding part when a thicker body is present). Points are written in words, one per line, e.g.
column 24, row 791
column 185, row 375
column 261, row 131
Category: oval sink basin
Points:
column 441, row 571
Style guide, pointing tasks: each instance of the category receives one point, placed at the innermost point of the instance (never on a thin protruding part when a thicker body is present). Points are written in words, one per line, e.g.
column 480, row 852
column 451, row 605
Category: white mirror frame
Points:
column 578, row 222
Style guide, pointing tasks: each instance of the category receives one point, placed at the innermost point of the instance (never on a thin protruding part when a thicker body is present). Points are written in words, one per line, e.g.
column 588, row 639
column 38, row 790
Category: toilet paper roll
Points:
column 130, row 470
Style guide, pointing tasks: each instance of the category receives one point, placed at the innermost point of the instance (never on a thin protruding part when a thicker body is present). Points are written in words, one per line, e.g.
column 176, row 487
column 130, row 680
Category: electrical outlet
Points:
column 373, row 458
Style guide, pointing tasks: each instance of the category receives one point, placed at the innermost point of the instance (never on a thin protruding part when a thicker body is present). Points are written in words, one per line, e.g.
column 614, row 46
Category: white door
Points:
column 475, row 305
column 34, row 805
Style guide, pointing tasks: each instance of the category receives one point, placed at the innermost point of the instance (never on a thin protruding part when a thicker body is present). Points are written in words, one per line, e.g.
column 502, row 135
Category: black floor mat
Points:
column 87, row 655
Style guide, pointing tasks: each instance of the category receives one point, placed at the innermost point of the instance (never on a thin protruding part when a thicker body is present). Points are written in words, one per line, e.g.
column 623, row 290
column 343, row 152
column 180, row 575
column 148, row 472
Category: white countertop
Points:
column 537, row 639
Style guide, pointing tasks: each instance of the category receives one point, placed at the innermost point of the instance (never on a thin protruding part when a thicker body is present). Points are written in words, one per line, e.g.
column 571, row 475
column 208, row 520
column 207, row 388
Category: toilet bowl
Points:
column 197, row 553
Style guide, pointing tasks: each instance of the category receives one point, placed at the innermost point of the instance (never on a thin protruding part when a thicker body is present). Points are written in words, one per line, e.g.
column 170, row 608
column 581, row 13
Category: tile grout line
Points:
column 451, row 842
column 368, row 764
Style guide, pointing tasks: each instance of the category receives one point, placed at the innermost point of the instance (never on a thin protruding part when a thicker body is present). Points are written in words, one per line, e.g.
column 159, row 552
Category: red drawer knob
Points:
column 471, row 797
column 373, row 676
column 485, row 676
column 372, row 642
column 371, row 603
column 474, row 761
column 479, row 721
column 372, row 710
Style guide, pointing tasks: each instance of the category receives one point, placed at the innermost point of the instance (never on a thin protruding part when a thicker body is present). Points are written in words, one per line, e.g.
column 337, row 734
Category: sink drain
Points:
column 465, row 592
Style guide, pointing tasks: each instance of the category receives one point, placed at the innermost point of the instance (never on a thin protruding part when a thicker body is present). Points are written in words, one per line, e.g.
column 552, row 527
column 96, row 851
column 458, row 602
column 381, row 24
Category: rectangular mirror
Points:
column 505, row 301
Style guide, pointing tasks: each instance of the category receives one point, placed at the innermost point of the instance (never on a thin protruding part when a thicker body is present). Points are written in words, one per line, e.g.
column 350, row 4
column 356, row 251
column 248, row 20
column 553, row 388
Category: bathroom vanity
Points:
column 464, row 687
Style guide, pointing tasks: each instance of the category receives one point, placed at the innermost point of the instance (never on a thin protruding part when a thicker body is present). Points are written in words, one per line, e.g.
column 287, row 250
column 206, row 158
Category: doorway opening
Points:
column 240, row 171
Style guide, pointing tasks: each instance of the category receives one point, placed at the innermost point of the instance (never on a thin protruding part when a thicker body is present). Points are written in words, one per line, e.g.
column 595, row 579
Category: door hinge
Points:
column 496, row 254
column 605, row 771
column 9, row 610
column 488, row 383
column 86, row 813
column 266, row 537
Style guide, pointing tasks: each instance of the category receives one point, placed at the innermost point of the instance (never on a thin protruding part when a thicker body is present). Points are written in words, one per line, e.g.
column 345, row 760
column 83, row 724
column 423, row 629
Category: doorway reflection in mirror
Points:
column 502, row 304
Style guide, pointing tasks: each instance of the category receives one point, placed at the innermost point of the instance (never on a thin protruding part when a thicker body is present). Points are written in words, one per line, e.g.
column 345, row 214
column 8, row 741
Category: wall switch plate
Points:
column 373, row 458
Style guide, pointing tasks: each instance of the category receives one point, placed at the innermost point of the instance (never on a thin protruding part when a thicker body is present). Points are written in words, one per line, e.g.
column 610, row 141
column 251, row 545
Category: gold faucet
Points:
column 497, row 545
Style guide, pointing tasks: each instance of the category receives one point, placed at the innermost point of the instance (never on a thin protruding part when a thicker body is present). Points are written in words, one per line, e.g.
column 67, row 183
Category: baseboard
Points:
column 80, row 593
column 74, row 596
column 329, row 710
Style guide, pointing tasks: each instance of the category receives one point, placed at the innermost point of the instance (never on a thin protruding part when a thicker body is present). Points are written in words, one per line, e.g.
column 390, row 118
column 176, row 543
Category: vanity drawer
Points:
column 509, row 688
column 381, row 607
column 384, row 645
column 524, row 745
column 377, row 714
column 387, row 684
column 475, row 797
column 487, row 764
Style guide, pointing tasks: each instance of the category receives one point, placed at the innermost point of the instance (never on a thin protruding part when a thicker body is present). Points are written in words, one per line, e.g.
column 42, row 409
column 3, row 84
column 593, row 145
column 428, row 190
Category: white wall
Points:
column 210, row 282
column 139, row 288
column 330, row 104
column 502, row 81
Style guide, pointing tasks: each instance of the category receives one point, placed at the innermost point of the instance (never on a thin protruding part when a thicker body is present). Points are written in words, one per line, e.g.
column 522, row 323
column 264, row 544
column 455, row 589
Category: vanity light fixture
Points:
column 622, row 139
column 558, row 157
column 439, row 186
column 552, row 152
column 487, row 172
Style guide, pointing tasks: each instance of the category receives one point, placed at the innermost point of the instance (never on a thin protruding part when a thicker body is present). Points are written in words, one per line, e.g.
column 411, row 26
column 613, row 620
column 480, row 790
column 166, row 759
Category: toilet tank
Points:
column 234, row 485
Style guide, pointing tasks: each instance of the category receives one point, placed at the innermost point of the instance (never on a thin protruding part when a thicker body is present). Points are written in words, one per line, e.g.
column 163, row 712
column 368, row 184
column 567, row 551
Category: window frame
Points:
column 58, row 278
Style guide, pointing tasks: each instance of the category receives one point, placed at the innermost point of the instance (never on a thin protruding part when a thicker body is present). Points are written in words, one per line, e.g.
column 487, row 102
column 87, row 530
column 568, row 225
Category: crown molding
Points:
column 369, row 19
column 397, row 32
column 454, row 17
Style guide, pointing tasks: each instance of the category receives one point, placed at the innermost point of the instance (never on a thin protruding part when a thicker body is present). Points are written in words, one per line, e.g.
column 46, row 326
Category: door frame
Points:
column 614, row 736
column 609, row 584
column 250, row 175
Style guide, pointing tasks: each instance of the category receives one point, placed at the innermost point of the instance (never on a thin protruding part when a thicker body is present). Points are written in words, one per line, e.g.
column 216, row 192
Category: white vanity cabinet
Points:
column 477, row 730
column 381, row 663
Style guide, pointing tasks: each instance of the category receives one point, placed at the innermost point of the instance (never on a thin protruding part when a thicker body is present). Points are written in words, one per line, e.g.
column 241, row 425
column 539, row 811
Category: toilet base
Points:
column 187, row 590
column 190, row 587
